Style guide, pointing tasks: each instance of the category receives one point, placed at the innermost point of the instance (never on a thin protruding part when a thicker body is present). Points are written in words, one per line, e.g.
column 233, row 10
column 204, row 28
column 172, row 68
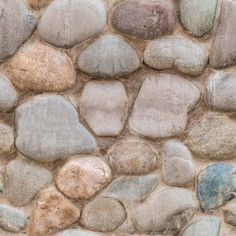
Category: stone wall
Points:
column 117, row 117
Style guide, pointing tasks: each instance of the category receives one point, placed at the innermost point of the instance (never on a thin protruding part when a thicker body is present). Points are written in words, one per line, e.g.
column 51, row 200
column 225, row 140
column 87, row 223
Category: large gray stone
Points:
column 7, row 139
column 48, row 128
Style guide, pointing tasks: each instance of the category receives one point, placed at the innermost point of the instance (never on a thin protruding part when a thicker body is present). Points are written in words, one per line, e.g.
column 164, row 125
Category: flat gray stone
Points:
column 77, row 232
column 7, row 139
column 48, row 128
column 109, row 56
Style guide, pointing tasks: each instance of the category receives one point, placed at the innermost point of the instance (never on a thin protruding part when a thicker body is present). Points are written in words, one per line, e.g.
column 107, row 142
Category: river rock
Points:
column 229, row 212
column 37, row 4
column 6, row 139
column 77, row 232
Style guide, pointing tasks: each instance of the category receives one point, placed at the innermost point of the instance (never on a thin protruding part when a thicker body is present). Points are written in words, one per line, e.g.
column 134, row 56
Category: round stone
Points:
column 37, row 4
column 82, row 178
column 103, row 214
column 66, row 23
column 7, row 139
column 229, row 211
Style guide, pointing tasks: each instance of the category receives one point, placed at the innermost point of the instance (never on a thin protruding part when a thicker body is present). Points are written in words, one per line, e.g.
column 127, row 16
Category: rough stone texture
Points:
column 161, row 108
column 223, row 52
column 178, row 168
column 51, row 213
column 109, row 56
column 59, row 23
column 77, row 232
column 213, row 136
column 198, row 16
column 16, row 25
column 37, row 4
column 175, row 52
column 8, row 94
column 132, row 157
column 103, row 214
column 229, row 212
column 39, row 67
column 82, row 178
column 55, row 134
column 203, row 226
column 104, row 106
column 6, row 139
column 145, row 19
column 165, row 212
column 216, row 185
column 24, row 179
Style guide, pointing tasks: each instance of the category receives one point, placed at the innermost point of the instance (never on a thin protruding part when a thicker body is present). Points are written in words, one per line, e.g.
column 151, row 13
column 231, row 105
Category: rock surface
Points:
column 161, row 107
column 109, row 56
column 59, row 23
column 213, row 136
column 39, row 67
column 145, row 19
column 77, row 232
column 229, row 212
column 6, row 139
column 175, row 52
column 24, row 179
column 55, row 134
column 82, row 178
column 104, row 106
column 37, row 4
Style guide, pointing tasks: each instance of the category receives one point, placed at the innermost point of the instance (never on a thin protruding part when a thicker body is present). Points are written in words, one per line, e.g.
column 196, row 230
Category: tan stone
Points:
column 6, row 139
column 81, row 178
column 37, row 4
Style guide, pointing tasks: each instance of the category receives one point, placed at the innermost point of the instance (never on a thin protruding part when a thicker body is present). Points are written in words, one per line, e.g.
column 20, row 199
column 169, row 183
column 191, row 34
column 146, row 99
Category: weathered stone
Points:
column 77, row 232
column 161, row 108
column 24, row 179
column 6, row 139
column 132, row 157
column 197, row 16
column 175, row 52
column 52, row 213
column 103, row 214
column 131, row 189
column 145, row 19
column 216, row 185
column 104, row 105
column 223, row 52
column 109, row 56
column 59, row 24
column 230, row 213
column 48, row 129
column 213, row 136
column 178, row 168
column 165, row 212
column 82, row 178
column 11, row 219
column 16, row 25
column 203, row 226
column 37, row 4
column 8, row 94
column 39, row 67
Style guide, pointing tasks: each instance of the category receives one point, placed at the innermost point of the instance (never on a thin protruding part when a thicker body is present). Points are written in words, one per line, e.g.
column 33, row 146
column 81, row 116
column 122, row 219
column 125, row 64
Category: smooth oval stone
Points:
column 145, row 19
column 37, row 4
column 7, row 139
column 175, row 52
column 66, row 23
column 216, row 185
column 229, row 212
column 39, row 67
column 48, row 128
column 109, row 56
column 8, row 95
column 16, row 25
column 212, row 136
column 77, row 232
column 197, row 16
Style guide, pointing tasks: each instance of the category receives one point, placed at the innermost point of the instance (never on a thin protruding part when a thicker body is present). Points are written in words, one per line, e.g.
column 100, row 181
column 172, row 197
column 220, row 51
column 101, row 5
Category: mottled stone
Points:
column 82, row 178
column 162, row 105
column 203, row 226
column 216, row 185
column 145, row 19
column 178, row 168
column 52, row 213
column 197, row 16
column 6, row 139
column 37, row 4
column 104, row 106
column 24, row 179
column 103, row 214
column 165, row 212
column 132, row 157
column 11, row 219
column 8, row 94
column 109, row 56
column 16, row 25
column 223, row 52
column 66, row 23
column 213, row 136
column 48, row 128
column 39, row 67
column 77, row 232
column 229, row 212
column 175, row 52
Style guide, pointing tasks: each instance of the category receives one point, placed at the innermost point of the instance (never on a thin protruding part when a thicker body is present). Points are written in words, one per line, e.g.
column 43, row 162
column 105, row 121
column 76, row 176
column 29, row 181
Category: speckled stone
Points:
column 6, row 139
column 37, row 4
column 229, row 211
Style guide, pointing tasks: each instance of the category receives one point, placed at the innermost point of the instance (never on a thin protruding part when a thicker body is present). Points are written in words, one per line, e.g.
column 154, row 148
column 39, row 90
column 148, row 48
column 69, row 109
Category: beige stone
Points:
column 37, row 4
column 6, row 139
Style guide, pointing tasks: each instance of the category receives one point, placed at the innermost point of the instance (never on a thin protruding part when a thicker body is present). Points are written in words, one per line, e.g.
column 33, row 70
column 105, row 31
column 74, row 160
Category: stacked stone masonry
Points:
column 117, row 117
